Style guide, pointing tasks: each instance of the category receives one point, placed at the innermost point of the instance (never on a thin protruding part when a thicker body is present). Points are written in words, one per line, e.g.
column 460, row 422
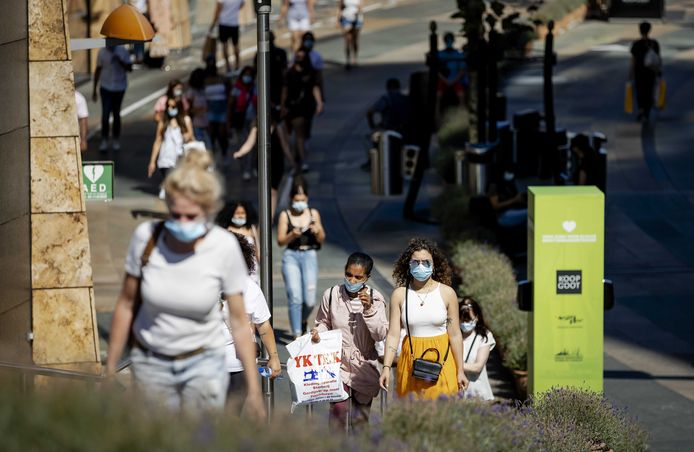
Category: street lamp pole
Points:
column 263, row 8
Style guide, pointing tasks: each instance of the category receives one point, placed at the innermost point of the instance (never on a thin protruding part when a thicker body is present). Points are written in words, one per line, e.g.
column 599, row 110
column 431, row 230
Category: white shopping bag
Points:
column 314, row 369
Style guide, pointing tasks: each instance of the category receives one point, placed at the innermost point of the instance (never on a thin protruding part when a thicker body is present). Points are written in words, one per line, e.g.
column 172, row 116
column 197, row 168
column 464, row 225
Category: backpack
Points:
column 651, row 60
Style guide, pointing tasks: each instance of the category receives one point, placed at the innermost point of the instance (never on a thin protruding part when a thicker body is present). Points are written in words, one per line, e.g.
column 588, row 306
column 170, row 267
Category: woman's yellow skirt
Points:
column 448, row 379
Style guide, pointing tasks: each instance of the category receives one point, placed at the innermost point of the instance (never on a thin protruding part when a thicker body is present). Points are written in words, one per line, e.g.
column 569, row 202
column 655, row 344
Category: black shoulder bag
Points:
column 422, row 368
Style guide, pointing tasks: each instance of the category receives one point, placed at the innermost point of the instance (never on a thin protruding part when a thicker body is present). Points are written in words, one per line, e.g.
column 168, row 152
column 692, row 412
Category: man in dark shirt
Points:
column 645, row 68
column 392, row 107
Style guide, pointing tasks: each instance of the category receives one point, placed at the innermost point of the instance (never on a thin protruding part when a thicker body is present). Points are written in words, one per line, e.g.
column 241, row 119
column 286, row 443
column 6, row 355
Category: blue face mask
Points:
column 420, row 272
column 300, row 206
column 246, row 79
column 173, row 112
column 186, row 232
column 308, row 44
column 467, row 327
column 353, row 288
column 238, row 221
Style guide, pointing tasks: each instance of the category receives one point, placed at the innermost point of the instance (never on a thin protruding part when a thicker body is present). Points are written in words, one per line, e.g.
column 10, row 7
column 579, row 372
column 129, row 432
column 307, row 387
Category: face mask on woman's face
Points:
column 172, row 112
column 178, row 92
column 353, row 287
column 238, row 221
column 299, row 206
column 247, row 79
column 467, row 327
column 308, row 44
column 420, row 272
column 186, row 232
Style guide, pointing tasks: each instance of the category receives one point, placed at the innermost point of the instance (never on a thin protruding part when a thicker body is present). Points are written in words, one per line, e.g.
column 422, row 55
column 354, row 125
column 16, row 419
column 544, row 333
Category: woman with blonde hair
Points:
column 431, row 358
column 168, row 304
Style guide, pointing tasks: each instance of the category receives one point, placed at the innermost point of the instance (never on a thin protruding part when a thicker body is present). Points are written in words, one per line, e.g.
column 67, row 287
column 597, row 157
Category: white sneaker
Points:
column 103, row 147
column 162, row 194
column 246, row 176
column 115, row 145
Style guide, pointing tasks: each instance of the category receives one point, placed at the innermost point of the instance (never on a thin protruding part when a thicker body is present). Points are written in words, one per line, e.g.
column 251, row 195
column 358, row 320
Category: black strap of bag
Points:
column 409, row 337
column 471, row 346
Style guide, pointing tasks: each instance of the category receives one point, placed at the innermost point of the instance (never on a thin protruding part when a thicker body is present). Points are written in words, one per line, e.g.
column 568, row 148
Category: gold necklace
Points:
column 422, row 300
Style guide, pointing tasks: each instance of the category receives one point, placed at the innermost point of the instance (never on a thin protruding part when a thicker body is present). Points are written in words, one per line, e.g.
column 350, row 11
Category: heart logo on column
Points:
column 569, row 226
column 93, row 172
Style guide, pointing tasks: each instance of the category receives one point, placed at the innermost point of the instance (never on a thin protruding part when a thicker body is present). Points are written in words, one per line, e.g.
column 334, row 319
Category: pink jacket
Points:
column 359, row 368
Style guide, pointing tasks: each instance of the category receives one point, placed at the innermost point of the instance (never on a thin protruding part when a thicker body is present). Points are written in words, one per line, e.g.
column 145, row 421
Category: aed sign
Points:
column 566, row 265
column 97, row 181
column 568, row 281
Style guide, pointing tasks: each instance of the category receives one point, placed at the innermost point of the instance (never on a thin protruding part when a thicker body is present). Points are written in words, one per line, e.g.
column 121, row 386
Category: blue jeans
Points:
column 300, row 272
column 194, row 385
column 513, row 217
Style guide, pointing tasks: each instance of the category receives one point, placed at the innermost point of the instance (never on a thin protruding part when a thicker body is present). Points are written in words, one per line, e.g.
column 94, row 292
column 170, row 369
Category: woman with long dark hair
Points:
column 173, row 129
column 478, row 342
column 427, row 307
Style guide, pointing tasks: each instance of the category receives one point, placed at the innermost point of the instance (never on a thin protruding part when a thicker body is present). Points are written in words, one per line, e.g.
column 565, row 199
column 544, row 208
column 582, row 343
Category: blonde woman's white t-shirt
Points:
column 479, row 383
column 180, row 291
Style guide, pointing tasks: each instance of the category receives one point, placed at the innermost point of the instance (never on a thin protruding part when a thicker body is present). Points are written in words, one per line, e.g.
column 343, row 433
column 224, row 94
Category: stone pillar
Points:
column 62, row 308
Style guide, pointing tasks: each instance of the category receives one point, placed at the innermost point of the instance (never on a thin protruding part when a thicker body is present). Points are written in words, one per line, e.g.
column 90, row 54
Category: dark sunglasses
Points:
column 417, row 262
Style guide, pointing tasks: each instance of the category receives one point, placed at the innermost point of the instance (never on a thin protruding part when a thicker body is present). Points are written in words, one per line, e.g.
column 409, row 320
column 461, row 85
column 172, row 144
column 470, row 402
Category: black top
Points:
column 278, row 63
column 307, row 240
column 394, row 110
column 640, row 48
column 300, row 101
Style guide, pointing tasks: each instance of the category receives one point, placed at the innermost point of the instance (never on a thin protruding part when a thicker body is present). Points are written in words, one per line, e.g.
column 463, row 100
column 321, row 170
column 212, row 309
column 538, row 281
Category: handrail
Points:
column 53, row 372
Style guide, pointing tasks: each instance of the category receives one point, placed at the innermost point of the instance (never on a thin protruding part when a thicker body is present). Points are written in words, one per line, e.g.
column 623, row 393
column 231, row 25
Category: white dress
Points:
column 171, row 147
column 479, row 383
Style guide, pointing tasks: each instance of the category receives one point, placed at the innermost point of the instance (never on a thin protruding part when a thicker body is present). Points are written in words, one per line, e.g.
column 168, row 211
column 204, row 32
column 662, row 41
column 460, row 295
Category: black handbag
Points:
column 422, row 368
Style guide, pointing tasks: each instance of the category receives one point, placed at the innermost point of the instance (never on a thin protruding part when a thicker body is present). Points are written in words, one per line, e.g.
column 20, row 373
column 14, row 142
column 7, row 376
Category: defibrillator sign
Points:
column 97, row 181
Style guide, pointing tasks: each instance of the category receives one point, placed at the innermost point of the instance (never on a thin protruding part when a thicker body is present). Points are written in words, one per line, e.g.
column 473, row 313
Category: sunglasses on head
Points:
column 418, row 262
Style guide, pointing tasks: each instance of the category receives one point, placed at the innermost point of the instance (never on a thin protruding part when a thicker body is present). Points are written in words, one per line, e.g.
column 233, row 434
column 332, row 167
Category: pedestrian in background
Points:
column 350, row 18
column 112, row 66
column 259, row 316
column 301, row 100
column 174, row 90
column 227, row 14
column 427, row 307
column 478, row 342
column 198, row 107
column 299, row 15
column 217, row 91
column 646, row 67
column 82, row 119
column 299, row 228
column 243, row 105
column 389, row 112
column 174, row 129
column 175, row 271
column 359, row 312
column 452, row 72
column 239, row 217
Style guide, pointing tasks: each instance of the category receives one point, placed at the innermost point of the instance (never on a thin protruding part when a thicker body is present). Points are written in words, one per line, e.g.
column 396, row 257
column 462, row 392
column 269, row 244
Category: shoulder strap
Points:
column 330, row 299
column 471, row 346
column 151, row 243
column 407, row 320
column 289, row 219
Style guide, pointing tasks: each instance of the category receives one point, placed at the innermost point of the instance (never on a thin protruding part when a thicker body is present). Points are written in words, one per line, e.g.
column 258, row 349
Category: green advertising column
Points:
column 565, row 266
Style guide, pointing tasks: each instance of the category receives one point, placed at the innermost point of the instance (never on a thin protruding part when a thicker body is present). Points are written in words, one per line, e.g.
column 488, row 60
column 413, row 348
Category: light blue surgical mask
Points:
column 186, row 232
column 467, row 327
column 300, row 206
column 238, row 221
column 420, row 272
column 247, row 79
column 353, row 287
column 173, row 112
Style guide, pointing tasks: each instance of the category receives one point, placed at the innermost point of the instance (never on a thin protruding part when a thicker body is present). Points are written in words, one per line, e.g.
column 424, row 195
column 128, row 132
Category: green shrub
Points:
column 89, row 419
column 451, row 208
column 577, row 420
column 452, row 136
column 488, row 276
column 456, row 424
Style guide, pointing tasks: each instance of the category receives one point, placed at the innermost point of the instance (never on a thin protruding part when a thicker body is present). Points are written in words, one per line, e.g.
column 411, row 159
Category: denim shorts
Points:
column 195, row 384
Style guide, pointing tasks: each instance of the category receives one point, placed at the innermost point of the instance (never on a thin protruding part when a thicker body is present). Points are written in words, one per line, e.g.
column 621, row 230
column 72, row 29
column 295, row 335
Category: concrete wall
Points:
column 15, row 204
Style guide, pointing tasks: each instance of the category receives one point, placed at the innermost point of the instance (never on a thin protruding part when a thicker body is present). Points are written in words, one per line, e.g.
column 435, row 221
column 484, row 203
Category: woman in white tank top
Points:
column 427, row 306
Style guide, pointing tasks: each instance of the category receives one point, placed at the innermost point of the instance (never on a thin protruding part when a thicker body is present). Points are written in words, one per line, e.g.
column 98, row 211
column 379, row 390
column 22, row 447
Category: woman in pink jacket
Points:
column 360, row 313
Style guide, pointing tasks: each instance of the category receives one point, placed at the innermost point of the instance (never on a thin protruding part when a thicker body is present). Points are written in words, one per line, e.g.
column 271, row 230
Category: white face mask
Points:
column 467, row 327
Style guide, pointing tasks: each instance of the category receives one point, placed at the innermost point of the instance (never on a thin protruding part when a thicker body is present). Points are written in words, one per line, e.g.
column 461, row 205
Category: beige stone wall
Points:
column 63, row 315
column 15, row 214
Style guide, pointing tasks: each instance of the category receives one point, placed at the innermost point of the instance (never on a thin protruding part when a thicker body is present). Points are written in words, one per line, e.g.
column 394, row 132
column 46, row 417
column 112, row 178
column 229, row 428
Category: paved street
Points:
column 650, row 217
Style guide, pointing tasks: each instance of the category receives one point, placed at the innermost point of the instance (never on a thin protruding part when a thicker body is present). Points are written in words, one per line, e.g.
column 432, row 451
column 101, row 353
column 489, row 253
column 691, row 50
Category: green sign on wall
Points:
column 565, row 265
column 97, row 181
